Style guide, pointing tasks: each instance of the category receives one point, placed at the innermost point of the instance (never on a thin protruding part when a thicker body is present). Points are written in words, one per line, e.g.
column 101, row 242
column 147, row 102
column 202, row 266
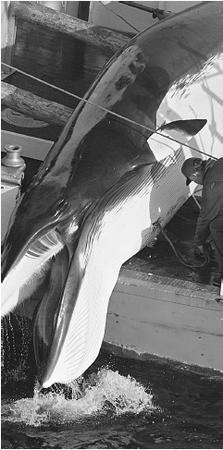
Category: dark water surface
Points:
column 119, row 403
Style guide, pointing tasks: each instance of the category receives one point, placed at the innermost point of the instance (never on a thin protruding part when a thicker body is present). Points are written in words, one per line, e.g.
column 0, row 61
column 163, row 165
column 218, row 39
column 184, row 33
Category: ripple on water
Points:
column 103, row 392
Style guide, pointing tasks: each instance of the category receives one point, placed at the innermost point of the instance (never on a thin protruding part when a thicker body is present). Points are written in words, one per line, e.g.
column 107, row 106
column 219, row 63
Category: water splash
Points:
column 15, row 341
column 102, row 393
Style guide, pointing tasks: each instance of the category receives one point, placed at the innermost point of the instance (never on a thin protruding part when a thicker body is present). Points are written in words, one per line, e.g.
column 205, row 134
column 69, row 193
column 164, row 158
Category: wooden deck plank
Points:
column 158, row 318
column 34, row 106
column 108, row 40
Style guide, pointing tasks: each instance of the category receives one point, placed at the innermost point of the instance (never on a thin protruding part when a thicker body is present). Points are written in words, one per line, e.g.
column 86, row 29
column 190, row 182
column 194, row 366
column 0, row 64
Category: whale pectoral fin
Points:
column 47, row 311
column 58, row 307
column 180, row 131
column 184, row 127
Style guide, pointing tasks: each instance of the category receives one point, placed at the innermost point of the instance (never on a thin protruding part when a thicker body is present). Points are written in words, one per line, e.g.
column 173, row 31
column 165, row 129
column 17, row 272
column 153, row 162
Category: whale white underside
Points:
column 24, row 278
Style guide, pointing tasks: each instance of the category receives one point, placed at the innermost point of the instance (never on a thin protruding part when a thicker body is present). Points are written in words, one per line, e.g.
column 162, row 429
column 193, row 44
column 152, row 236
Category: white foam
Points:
column 104, row 392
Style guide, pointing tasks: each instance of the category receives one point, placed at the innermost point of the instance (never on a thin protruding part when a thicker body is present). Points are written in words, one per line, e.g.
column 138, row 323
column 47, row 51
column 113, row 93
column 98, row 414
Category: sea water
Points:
column 118, row 403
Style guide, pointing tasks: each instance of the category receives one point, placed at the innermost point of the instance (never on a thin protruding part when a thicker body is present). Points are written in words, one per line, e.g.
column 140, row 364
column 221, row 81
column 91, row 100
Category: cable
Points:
column 179, row 256
column 120, row 17
column 132, row 122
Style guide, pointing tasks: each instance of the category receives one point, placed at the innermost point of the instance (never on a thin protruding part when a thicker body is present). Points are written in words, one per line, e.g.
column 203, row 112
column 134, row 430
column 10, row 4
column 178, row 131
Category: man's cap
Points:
column 189, row 167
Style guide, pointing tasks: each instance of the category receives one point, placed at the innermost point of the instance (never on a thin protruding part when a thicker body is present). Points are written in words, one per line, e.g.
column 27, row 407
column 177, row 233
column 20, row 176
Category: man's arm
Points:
column 202, row 229
column 211, row 205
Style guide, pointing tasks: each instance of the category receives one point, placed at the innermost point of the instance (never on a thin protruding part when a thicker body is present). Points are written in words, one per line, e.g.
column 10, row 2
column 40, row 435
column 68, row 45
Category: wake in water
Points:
column 102, row 393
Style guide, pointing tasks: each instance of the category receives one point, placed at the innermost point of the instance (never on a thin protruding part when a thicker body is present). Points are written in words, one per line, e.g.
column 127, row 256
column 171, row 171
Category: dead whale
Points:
column 89, row 207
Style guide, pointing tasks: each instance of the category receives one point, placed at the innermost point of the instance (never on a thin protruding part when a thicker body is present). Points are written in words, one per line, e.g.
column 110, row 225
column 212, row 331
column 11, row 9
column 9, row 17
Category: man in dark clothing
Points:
column 209, row 173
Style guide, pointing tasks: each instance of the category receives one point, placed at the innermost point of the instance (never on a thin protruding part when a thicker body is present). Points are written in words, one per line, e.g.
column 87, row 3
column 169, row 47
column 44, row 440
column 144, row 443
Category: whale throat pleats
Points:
column 106, row 242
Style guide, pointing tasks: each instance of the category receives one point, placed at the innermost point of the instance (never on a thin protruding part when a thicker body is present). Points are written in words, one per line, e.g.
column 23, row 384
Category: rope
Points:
column 196, row 201
column 180, row 257
column 126, row 119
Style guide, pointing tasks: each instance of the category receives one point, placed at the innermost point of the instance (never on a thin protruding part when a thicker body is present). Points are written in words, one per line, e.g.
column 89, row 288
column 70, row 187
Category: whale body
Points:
column 98, row 195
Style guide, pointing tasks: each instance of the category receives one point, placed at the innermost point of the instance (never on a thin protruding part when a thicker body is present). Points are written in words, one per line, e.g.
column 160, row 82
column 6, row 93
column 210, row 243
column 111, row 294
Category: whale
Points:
column 98, row 194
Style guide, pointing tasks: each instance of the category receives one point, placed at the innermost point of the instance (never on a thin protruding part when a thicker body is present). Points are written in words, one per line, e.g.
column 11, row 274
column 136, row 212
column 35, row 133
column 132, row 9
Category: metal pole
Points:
column 160, row 13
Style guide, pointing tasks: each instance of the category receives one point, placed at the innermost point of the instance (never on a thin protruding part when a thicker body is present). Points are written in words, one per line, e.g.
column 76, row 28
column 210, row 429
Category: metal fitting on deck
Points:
column 13, row 156
column 13, row 165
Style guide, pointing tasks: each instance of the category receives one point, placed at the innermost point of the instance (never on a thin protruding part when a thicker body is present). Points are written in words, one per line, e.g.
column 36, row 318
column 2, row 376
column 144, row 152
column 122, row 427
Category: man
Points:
column 209, row 173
